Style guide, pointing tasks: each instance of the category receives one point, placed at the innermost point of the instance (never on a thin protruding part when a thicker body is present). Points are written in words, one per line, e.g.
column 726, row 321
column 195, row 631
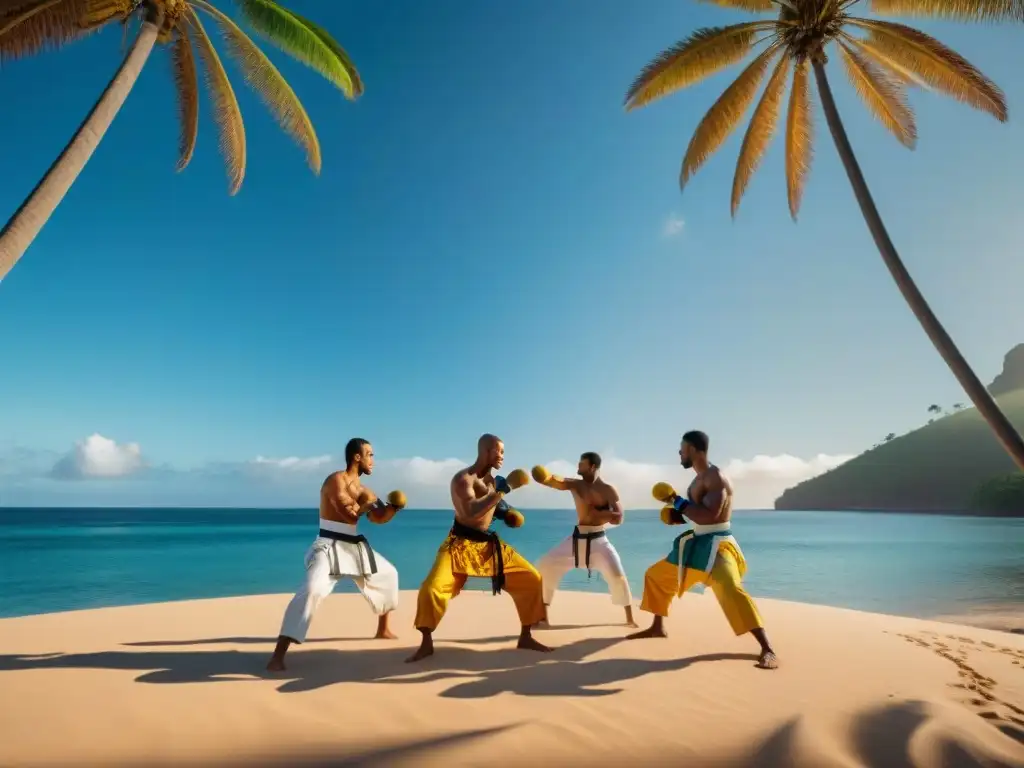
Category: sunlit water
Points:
column 57, row 560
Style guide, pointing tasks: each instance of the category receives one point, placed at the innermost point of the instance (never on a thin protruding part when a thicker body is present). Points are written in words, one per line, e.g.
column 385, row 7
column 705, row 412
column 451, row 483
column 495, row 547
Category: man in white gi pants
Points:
column 597, row 507
column 339, row 551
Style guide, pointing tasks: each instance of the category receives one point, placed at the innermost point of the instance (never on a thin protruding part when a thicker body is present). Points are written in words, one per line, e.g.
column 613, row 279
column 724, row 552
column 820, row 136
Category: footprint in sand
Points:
column 980, row 688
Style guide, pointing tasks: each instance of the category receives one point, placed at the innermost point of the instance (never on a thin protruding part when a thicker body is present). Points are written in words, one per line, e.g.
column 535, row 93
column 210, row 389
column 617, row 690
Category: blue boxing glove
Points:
column 501, row 485
column 680, row 503
column 501, row 509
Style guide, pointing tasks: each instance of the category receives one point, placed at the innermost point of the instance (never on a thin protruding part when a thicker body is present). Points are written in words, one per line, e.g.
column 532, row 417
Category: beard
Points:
column 687, row 464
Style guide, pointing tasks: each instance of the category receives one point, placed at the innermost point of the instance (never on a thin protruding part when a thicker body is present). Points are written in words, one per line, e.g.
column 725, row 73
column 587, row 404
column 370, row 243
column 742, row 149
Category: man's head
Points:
column 359, row 456
column 490, row 451
column 589, row 465
column 694, row 446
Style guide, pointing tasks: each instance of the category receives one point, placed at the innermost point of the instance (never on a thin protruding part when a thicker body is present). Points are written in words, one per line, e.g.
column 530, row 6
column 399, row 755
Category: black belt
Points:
column 475, row 534
column 589, row 537
column 349, row 538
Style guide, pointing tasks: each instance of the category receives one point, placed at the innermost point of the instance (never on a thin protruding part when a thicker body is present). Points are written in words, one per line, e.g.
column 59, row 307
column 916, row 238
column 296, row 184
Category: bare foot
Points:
column 651, row 631
column 633, row 624
column 529, row 644
column 275, row 665
column 385, row 634
column 768, row 660
column 542, row 624
column 421, row 653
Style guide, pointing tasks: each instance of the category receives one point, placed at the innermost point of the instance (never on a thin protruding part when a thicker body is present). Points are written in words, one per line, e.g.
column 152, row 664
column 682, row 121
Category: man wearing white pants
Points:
column 339, row 551
column 597, row 507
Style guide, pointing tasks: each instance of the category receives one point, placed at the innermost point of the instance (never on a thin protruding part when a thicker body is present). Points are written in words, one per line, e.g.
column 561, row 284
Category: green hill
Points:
column 935, row 468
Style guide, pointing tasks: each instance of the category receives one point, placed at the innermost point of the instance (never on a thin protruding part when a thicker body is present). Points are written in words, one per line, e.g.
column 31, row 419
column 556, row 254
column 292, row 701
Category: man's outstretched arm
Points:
column 544, row 477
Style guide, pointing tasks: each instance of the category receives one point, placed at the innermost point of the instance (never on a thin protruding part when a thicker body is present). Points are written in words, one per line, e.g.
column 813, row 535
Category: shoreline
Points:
column 958, row 513
column 183, row 683
column 1008, row 618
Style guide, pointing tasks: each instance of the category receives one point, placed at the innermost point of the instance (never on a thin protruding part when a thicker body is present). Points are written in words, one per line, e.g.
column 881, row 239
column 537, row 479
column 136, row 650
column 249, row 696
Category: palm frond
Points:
column 699, row 56
column 936, row 64
column 724, row 115
column 30, row 26
column 305, row 41
column 799, row 136
column 869, row 51
column 226, row 113
column 752, row 6
column 956, row 10
column 759, row 132
column 269, row 83
column 884, row 97
column 186, row 83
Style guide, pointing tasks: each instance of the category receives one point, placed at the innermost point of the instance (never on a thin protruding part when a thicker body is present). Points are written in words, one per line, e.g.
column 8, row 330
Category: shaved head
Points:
column 490, row 451
column 486, row 443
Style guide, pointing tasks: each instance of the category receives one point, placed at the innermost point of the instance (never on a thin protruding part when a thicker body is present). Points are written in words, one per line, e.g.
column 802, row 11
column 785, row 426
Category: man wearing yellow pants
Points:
column 471, row 549
column 706, row 554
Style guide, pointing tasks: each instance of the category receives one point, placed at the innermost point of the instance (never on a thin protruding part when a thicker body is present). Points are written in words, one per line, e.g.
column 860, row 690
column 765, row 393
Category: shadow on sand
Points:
column 476, row 673
column 881, row 738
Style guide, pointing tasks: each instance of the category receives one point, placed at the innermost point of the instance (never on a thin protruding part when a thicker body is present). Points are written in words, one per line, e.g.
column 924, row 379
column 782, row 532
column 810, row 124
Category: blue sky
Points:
column 489, row 247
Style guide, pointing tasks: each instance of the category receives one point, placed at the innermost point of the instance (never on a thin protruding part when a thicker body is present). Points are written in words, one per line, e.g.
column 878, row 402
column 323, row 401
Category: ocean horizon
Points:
column 61, row 558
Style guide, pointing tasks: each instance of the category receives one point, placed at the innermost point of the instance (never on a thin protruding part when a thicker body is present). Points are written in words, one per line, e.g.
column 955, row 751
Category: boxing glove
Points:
column 516, row 479
column 512, row 517
column 543, row 476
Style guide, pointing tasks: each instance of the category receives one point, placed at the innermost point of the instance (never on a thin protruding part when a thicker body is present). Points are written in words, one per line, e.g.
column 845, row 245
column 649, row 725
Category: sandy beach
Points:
column 183, row 683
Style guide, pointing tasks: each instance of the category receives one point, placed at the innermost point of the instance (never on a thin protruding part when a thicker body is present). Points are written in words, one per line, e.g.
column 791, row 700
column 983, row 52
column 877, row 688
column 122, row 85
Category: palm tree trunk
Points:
column 987, row 407
column 18, row 234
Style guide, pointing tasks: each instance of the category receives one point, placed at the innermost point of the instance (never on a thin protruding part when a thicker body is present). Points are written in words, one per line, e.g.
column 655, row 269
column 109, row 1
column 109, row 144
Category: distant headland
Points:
column 951, row 464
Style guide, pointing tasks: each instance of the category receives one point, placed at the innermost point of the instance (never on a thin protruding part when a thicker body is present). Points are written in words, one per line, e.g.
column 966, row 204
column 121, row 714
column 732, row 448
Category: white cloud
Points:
column 295, row 480
column 420, row 471
column 756, row 482
column 99, row 457
column 673, row 226
column 293, row 463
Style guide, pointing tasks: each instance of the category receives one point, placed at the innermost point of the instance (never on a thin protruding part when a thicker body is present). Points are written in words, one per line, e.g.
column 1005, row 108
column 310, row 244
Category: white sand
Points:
column 183, row 683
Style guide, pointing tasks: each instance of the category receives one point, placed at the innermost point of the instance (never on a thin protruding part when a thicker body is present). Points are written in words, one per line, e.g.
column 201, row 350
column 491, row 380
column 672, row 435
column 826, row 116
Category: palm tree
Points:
column 27, row 26
column 881, row 59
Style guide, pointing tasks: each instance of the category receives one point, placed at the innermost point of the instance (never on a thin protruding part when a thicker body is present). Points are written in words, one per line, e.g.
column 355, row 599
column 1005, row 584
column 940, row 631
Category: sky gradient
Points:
column 494, row 244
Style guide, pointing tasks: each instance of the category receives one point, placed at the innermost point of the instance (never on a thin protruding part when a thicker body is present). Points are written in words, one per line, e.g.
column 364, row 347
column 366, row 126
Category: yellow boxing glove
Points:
column 663, row 492
column 543, row 476
column 671, row 516
column 397, row 499
column 511, row 516
column 517, row 478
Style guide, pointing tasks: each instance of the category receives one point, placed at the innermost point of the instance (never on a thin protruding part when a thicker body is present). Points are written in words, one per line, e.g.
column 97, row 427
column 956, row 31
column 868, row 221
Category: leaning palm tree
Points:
column 28, row 26
column 881, row 59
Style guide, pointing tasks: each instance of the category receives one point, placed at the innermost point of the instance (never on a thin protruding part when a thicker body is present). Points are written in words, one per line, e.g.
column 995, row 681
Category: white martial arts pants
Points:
column 324, row 562
column 603, row 559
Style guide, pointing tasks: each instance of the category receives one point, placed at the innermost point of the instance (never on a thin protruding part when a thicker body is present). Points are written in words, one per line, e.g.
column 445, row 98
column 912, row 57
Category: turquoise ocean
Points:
column 915, row 565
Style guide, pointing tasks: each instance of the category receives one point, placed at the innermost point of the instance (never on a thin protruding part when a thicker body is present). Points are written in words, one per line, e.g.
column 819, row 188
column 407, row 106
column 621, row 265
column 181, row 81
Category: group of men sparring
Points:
column 705, row 553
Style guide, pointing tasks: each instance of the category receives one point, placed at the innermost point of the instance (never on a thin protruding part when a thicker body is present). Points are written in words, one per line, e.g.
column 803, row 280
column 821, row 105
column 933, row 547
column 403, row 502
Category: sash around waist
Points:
column 461, row 531
column 588, row 533
column 330, row 529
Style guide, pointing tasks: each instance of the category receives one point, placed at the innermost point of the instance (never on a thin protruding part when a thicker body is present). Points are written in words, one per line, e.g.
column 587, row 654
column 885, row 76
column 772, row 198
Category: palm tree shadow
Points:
column 405, row 752
column 881, row 738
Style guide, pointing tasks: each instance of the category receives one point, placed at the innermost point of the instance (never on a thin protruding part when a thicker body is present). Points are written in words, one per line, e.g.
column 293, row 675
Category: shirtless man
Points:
column 708, row 554
column 472, row 549
column 339, row 551
column 597, row 507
